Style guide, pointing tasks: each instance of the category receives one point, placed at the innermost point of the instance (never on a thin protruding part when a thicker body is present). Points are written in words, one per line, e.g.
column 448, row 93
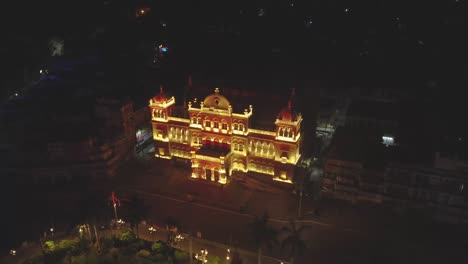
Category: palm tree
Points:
column 263, row 234
column 293, row 239
column 136, row 212
column 92, row 210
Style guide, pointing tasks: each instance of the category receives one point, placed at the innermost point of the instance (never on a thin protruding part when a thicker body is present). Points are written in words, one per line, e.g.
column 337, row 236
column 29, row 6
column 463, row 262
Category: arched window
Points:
column 171, row 132
column 194, row 120
column 264, row 148
column 235, row 146
column 271, row 150
column 281, row 132
column 215, row 124
column 257, row 147
column 236, row 127
column 199, row 120
column 241, row 127
column 207, row 123
column 241, row 147
column 290, row 133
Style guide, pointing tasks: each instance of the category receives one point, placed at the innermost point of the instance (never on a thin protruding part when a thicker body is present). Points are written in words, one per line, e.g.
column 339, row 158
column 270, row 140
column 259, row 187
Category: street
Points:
column 341, row 233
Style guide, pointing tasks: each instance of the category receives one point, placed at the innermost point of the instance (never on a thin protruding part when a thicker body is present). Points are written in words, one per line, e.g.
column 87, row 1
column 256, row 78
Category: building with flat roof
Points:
column 218, row 140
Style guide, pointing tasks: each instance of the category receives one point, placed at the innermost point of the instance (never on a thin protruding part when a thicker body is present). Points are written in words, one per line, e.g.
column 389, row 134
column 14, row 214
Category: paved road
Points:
column 232, row 228
column 342, row 233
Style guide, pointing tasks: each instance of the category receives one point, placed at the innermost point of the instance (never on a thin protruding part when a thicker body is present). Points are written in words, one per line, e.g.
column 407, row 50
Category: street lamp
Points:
column 202, row 256
column 228, row 257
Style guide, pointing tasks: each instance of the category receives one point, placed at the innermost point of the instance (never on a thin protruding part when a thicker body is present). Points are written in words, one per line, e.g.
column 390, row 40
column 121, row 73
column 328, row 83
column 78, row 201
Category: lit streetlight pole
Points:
column 115, row 202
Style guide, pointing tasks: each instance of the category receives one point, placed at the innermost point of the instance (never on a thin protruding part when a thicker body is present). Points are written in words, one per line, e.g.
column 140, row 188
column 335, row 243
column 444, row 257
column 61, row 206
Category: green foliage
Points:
column 158, row 247
column 127, row 236
column 181, row 256
column 70, row 246
column 49, row 246
column 213, row 259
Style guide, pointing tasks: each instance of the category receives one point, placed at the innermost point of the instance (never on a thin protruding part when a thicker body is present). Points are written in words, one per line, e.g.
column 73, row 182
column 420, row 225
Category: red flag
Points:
column 115, row 201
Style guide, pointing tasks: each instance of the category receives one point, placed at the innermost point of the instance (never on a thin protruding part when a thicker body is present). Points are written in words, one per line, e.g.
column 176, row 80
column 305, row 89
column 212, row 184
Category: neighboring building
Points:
column 73, row 145
column 219, row 141
column 358, row 169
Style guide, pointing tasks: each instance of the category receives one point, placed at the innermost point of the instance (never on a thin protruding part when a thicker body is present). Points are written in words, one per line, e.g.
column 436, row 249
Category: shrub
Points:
column 181, row 256
column 213, row 259
column 49, row 246
column 71, row 246
column 158, row 247
column 127, row 236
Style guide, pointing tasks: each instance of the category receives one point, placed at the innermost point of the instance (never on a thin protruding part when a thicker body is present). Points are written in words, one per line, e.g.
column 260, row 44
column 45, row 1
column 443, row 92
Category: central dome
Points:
column 216, row 101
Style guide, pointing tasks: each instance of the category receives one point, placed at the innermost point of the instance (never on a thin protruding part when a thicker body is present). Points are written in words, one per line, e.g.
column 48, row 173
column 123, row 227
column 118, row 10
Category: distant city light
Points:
column 16, row 94
column 388, row 140
column 40, row 71
column 346, row 10
column 13, row 252
column 261, row 12
column 164, row 49
column 142, row 11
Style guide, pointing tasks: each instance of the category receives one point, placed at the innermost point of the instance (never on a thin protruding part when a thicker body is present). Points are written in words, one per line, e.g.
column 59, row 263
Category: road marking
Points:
column 241, row 214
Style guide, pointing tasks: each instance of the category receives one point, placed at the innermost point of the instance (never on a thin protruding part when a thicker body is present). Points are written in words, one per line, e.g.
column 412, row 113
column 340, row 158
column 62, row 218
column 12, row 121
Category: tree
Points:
column 293, row 239
column 136, row 212
column 263, row 234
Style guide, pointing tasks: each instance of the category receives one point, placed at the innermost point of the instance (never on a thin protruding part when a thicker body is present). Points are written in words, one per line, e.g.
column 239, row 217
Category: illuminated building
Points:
column 219, row 141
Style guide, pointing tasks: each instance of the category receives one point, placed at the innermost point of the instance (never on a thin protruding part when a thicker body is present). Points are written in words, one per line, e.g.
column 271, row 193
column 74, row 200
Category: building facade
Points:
column 219, row 141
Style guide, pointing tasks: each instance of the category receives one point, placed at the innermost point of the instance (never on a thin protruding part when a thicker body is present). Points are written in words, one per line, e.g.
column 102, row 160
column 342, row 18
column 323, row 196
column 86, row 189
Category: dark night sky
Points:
column 401, row 43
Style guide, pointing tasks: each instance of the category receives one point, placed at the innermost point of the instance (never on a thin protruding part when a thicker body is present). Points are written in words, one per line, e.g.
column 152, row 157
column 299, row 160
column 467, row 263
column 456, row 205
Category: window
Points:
column 241, row 147
column 225, row 126
column 241, row 127
column 199, row 120
column 216, row 124
column 194, row 120
column 235, row 127
column 207, row 123
column 235, row 146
